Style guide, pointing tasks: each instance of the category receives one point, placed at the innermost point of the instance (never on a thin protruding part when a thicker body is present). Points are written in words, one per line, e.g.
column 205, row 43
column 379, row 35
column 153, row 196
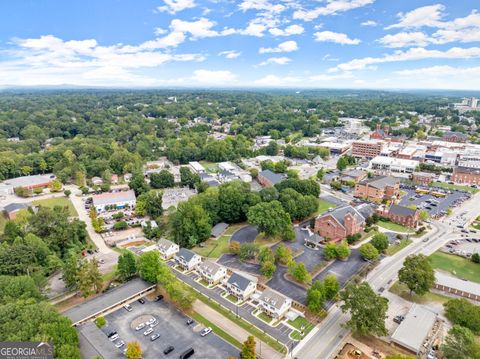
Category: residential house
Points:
column 227, row 176
column 196, row 167
column 268, row 178
column 212, row 272
column 167, row 248
column 336, row 224
column 11, row 210
column 274, row 304
column 187, row 259
column 240, row 286
column 97, row 181
column 400, row 214
column 116, row 200
column 378, row 188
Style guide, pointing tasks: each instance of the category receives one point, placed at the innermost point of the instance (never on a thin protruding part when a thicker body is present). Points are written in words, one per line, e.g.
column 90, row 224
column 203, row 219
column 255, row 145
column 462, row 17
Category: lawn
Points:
column 458, row 266
column 261, row 240
column 3, row 221
column 394, row 227
column 301, row 321
column 253, row 330
column 453, row 187
column 220, row 332
column 265, row 317
column 214, row 248
column 402, row 291
column 57, row 201
column 323, row 206
column 210, row 167
column 394, row 248
column 232, row 298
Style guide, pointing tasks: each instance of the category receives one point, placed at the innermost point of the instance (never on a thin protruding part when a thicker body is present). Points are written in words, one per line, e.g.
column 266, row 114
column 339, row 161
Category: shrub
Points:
column 100, row 322
column 119, row 226
column 368, row 251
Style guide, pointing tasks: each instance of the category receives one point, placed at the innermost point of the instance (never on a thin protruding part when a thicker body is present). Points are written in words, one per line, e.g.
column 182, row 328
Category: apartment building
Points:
column 212, row 272
column 187, row 259
column 367, row 149
column 274, row 304
column 241, row 286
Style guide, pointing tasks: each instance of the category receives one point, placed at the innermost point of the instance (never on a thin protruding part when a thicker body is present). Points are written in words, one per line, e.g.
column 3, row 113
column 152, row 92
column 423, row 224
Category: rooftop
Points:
column 239, row 281
column 219, row 228
column 186, row 254
column 381, row 181
column 273, row 177
column 12, row 207
column 33, row 180
column 457, row 283
column 113, row 197
column 402, row 210
column 340, row 213
column 273, row 298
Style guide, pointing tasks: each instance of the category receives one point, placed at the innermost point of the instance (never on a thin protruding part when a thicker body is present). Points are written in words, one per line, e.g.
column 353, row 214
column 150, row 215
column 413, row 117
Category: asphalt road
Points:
column 324, row 342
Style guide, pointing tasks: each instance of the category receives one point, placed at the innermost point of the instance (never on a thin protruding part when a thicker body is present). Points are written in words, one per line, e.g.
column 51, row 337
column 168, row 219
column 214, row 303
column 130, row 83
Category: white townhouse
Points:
column 187, row 259
column 240, row 286
column 274, row 304
column 117, row 200
column 167, row 248
column 212, row 272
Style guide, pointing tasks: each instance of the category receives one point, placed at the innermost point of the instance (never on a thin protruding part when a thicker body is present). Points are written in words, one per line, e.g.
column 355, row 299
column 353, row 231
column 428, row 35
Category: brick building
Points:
column 378, row 188
column 268, row 178
column 335, row 225
column 424, row 178
column 466, row 175
column 367, row 149
column 399, row 214
column 454, row 137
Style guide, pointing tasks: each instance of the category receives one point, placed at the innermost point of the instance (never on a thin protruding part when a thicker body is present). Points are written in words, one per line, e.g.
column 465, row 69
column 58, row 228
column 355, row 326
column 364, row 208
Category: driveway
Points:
column 343, row 270
column 286, row 287
column 232, row 261
column 245, row 234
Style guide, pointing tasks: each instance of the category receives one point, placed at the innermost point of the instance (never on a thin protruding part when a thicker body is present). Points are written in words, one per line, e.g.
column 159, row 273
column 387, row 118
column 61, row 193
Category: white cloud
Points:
column 276, row 61
column 277, row 81
column 333, row 7
column 371, row 23
column 440, row 71
column 430, row 16
column 261, row 5
column 200, row 28
column 405, row 39
column 230, row 54
column 287, row 46
column 336, row 37
column 409, row 55
column 254, row 29
column 174, row 6
column 159, row 31
column 217, row 77
column 288, row 31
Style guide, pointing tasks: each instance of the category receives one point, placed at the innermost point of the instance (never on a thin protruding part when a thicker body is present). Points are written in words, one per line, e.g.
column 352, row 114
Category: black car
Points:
column 158, row 298
column 111, row 334
column 141, row 301
column 189, row 321
column 168, row 350
column 187, row 353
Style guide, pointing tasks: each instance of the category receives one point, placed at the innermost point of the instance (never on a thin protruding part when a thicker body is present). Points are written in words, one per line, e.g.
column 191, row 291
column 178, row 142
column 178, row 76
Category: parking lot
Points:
column 173, row 331
column 436, row 206
column 465, row 246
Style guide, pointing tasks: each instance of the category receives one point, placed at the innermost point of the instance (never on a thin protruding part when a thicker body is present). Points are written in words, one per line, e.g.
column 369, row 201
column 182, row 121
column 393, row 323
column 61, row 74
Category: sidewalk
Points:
column 234, row 330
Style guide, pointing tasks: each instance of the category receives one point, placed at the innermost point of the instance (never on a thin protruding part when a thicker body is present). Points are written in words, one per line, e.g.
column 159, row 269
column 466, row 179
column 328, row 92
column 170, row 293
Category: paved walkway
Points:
column 264, row 350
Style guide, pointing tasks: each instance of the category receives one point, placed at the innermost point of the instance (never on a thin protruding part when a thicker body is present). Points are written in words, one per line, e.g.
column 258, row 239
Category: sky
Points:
column 375, row 44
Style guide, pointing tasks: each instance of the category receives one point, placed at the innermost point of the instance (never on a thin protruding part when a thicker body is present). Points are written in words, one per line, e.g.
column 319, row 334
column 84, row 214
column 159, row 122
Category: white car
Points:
column 140, row 326
column 120, row 344
column 128, row 307
column 205, row 331
column 113, row 337
column 151, row 321
column 154, row 324
column 148, row 331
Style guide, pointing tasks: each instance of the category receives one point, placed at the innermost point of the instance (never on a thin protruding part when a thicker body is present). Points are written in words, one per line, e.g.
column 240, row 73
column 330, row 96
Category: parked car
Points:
column 140, row 326
column 128, row 307
column 187, row 353
column 150, row 321
column 120, row 344
column 141, row 301
column 155, row 336
column 189, row 321
column 398, row 319
column 148, row 331
column 168, row 350
column 205, row 331
column 158, row 298
column 113, row 337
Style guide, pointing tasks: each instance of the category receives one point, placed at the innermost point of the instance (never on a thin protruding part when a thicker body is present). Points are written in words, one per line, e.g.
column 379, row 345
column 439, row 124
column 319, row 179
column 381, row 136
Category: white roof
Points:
column 457, row 283
column 196, row 166
column 113, row 197
column 29, row 180
column 394, row 161
column 413, row 331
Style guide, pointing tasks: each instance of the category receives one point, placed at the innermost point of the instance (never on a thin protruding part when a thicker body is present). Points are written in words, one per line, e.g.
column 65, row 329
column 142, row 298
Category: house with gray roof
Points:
column 269, row 178
column 274, row 304
column 187, row 259
column 241, row 286
column 212, row 272
column 167, row 248
column 218, row 229
column 339, row 223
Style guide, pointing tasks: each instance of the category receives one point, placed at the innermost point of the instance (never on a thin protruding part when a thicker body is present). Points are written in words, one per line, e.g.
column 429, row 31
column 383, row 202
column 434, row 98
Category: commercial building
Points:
column 187, row 259
column 424, row 178
column 336, row 224
column 466, row 175
column 456, row 286
column 393, row 166
column 335, row 148
column 27, row 182
column 274, row 304
column 116, row 200
column 367, row 149
column 399, row 214
column 212, row 272
column 378, row 188
column 11, row 209
column 240, row 286
column 268, row 178
column 457, row 137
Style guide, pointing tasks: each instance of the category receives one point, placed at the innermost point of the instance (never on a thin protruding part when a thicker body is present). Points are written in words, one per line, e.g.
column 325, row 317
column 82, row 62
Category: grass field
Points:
column 265, row 317
column 402, row 291
column 261, row 240
column 458, row 266
column 453, row 187
column 3, row 221
column 57, row 201
column 215, row 248
column 323, row 206
column 394, row 227
column 298, row 323
column 394, row 248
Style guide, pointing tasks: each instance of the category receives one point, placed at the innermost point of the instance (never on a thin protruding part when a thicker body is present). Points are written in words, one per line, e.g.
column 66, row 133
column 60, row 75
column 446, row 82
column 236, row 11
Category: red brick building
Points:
column 378, row 188
column 466, row 175
column 454, row 137
column 335, row 225
column 424, row 178
column 366, row 149
column 268, row 178
column 399, row 214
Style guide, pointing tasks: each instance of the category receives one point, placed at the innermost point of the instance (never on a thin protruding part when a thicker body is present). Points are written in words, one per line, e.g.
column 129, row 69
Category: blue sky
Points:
column 241, row 43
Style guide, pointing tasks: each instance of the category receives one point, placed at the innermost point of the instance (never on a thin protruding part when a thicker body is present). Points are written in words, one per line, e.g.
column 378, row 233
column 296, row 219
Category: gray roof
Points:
column 401, row 210
column 340, row 213
column 273, row 298
column 210, row 267
column 366, row 209
column 454, row 133
column 113, row 197
column 381, row 181
column 186, row 254
column 471, row 170
column 213, row 183
column 12, row 207
column 219, row 228
column 273, row 177
column 413, row 331
column 354, row 173
column 226, row 173
column 165, row 244
column 107, row 300
column 33, row 180
column 457, row 283
column 239, row 281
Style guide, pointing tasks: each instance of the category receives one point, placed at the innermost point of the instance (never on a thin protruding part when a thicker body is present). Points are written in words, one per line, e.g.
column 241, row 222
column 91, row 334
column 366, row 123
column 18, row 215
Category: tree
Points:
column 342, row 163
column 343, row 251
column 423, row 214
column 190, row 225
column 163, row 179
column 126, row 267
column 300, row 272
column 316, row 297
column 283, row 254
column 417, row 273
column 330, row 251
column 134, row 351
column 460, row 343
column 55, row 186
column 270, row 217
column 188, row 178
column 149, row 266
column 368, row 251
column 67, row 193
column 331, row 286
column 234, row 201
column 367, row 309
column 89, row 278
column 138, row 184
column 476, row 257
column 234, row 247
column 265, row 254
column 71, row 267
column 268, row 194
column 247, row 251
column 464, row 313
column 321, row 174
column 268, row 268
column 399, row 356
column 249, row 348
column 380, row 242
column 151, row 203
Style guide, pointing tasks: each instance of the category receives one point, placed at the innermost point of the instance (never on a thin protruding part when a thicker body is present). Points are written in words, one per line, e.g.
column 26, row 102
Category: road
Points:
column 329, row 335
